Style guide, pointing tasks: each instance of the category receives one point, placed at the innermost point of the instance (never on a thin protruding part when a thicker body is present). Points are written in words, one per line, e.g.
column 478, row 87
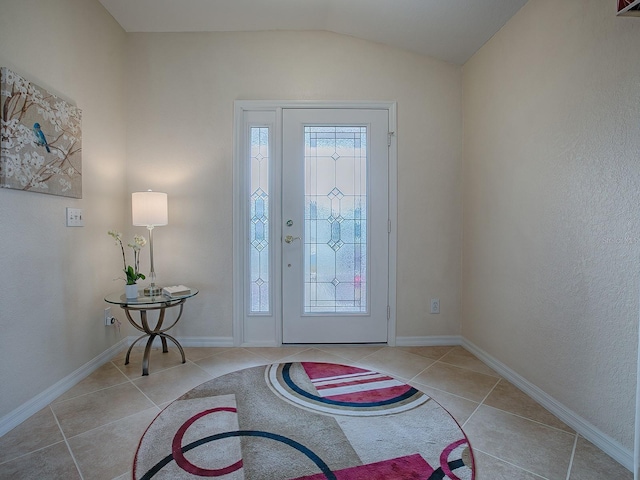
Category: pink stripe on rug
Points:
column 360, row 380
column 358, row 388
column 371, row 395
column 325, row 370
column 410, row 467
column 352, row 384
column 444, row 458
column 349, row 378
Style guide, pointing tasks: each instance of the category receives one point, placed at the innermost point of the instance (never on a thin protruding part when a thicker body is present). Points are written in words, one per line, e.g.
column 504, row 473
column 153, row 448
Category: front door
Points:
column 335, row 225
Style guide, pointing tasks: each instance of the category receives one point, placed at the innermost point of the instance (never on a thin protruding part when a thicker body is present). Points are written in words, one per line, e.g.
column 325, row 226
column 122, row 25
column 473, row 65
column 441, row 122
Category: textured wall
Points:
column 181, row 91
column 53, row 278
column 551, row 193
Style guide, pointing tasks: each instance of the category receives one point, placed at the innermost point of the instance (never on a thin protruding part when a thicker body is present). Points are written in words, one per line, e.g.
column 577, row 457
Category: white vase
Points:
column 131, row 291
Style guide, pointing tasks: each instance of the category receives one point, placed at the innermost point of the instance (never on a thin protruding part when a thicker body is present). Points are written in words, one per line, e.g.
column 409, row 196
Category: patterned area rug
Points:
column 304, row 421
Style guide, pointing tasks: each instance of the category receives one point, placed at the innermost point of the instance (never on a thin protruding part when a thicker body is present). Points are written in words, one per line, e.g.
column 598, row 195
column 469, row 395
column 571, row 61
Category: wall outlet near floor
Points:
column 108, row 318
column 435, row 305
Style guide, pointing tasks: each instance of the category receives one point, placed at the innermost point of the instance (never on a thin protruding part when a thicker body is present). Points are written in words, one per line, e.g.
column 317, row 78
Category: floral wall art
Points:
column 41, row 139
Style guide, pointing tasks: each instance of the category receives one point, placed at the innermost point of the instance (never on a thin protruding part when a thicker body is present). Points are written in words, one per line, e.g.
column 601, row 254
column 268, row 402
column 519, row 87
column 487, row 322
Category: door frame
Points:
column 266, row 330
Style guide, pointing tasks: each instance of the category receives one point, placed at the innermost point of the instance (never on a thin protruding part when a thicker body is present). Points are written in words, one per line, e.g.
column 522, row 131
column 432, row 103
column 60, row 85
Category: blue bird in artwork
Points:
column 40, row 138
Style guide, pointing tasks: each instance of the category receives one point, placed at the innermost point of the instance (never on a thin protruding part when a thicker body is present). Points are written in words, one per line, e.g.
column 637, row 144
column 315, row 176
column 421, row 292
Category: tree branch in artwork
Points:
column 41, row 139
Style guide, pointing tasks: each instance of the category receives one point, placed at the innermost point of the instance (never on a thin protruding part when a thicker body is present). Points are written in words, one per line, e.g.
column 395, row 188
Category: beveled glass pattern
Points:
column 335, row 240
column 259, row 221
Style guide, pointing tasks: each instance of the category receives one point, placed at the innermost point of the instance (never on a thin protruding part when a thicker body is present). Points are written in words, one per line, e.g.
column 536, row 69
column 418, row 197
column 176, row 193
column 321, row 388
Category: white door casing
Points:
column 261, row 223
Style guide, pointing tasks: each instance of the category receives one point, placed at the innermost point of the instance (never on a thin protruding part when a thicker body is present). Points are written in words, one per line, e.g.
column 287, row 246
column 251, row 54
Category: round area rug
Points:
column 306, row 420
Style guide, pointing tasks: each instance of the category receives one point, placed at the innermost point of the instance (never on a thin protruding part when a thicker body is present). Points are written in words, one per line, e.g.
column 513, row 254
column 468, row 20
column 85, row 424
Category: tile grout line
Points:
column 270, row 360
column 481, row 403
column 573, row 454
column 31, row 452
column 201, row 368
column 469, row 369
column 66, row 441
column 512, row 464
column 559, row 430
column 115, row 421
column 130, row 380
column 413, row 379
column 372, row 355
column 144, row 394
column 516, row 414
column 57, row 401
column 352, row 361
column 445, row 392
column 60, row 402
column 442, row 362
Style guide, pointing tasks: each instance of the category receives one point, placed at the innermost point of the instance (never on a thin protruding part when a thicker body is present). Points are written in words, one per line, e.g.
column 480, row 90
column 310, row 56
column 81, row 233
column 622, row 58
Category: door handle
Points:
column 290, row 238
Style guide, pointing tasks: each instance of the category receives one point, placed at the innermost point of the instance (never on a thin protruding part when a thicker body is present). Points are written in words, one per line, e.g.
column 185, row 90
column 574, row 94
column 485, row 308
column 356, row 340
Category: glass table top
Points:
column 120, row 298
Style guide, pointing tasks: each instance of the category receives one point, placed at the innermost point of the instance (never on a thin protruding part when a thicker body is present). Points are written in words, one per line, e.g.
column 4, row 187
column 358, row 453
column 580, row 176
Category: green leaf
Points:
column 131, row 275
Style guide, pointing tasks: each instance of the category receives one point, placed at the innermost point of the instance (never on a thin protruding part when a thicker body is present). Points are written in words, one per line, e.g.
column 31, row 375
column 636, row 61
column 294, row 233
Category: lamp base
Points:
column 152, row 291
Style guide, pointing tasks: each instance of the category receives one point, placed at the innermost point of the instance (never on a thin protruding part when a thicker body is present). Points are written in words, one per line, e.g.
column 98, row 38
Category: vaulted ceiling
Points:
column 451, row 30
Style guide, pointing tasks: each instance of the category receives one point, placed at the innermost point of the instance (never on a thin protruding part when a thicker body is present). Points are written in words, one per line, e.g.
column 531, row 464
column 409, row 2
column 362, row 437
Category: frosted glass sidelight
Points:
column 259, row 221
column 335, row 196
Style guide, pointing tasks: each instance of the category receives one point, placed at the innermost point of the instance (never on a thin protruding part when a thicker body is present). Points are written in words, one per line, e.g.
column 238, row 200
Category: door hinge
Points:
column 389, row 135
column 389, row 226
column 388, row 312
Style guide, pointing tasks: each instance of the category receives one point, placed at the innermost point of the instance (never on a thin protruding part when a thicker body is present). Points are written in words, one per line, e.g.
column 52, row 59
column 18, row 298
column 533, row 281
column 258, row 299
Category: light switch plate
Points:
column 74, row 217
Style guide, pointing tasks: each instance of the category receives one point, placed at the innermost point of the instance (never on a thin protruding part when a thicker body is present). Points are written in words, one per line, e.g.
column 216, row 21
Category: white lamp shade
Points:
column 149, row 209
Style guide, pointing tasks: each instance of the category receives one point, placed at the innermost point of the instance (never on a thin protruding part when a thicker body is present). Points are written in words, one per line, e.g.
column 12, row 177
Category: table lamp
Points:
column 149, row 209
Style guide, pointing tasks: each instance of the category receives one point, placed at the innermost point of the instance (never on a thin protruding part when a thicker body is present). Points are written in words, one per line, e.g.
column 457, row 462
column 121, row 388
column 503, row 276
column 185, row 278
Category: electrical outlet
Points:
column 435, row 305
column 108, row 319
column 74, row 217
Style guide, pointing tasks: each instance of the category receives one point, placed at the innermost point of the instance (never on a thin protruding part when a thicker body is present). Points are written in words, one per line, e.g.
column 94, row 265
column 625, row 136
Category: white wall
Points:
column 53, row 278
column 551, row 181
column 181, row 89
column 551, row 205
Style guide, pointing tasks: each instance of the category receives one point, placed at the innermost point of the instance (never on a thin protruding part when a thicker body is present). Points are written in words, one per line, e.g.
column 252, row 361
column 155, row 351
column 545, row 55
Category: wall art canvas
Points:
column 41, row 139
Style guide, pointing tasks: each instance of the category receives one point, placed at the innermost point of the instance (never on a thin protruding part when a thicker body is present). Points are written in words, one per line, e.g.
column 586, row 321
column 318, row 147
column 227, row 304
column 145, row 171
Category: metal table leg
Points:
column 157, row 331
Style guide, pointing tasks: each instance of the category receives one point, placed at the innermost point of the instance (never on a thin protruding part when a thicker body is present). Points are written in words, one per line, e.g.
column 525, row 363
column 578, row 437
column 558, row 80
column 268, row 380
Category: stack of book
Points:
column 176, row 291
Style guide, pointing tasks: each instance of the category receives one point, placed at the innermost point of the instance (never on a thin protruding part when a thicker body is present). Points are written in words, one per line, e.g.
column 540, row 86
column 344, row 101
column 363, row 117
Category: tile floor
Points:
column 92, row 431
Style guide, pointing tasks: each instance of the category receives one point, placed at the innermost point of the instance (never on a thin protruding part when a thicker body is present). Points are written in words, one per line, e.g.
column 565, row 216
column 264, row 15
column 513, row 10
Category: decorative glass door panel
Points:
column 259, row 251
column 335, row 216
column 335, row 197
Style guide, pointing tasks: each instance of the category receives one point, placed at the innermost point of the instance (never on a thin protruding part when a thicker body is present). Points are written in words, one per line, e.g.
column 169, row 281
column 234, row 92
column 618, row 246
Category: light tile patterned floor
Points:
column 92, row 431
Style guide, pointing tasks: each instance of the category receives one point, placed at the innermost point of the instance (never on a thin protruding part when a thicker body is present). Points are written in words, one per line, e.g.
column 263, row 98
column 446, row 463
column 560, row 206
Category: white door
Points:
column 335, row 225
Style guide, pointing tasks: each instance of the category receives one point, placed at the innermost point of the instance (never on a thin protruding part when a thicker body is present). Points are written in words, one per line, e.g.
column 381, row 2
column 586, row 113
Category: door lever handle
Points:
column 290, row 238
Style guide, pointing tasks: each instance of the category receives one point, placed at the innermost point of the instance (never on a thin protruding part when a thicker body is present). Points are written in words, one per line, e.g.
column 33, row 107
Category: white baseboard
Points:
column 600, row 439
column 431, row 341
column 189, row 341
column 40, row 401
column 262, row 344
column 206, row 341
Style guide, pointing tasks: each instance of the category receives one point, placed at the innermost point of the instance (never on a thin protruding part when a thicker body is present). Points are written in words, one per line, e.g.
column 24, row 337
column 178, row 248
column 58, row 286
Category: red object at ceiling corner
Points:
column 622, row 4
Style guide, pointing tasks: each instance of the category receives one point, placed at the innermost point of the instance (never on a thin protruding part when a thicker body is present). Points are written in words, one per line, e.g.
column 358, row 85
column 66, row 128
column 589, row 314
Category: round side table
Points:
column 142, row 304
